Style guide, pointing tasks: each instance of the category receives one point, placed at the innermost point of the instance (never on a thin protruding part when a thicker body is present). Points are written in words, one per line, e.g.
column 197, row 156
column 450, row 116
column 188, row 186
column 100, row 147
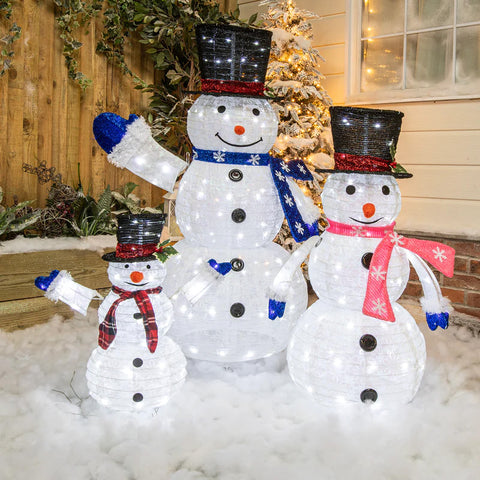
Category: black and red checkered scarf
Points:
column 108, row 328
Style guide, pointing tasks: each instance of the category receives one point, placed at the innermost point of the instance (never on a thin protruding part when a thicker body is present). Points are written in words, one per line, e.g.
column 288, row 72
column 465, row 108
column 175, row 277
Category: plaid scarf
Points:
column 108, row 328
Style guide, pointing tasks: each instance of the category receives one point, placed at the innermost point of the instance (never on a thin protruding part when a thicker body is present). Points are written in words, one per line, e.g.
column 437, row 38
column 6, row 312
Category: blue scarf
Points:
column 280, row 170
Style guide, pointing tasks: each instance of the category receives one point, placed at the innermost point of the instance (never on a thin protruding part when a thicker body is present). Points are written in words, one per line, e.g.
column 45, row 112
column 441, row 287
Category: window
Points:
column 414, row 49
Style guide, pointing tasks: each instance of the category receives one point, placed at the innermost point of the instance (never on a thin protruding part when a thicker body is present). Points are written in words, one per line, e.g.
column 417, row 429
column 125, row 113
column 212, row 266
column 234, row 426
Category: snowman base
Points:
column 326, row 358
column 133, row 381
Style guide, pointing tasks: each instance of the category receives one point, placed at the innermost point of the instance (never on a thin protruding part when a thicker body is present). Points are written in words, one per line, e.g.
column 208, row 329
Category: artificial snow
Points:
column 23, row 245
column 244, row 421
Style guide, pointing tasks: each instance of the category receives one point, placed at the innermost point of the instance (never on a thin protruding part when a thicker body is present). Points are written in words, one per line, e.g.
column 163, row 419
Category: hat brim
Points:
column 112, row 257
column 392, row 174
column 230, row 94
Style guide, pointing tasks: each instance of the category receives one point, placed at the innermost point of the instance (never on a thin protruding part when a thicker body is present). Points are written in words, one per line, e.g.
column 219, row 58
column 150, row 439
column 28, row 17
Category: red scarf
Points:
column 108, row 328
column 377, row 303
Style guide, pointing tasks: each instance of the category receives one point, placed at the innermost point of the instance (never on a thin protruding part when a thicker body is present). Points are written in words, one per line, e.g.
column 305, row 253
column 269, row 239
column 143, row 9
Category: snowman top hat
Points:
column 233, row 60
column 138, row 236
column 365, row 140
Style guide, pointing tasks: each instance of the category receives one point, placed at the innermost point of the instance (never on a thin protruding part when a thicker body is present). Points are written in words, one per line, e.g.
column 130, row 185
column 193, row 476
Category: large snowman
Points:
column 231, row 203
column 356, row 343
column 135, row 366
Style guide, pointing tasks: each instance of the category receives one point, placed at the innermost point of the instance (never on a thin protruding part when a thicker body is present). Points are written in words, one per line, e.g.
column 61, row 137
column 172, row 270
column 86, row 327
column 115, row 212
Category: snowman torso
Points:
column 127, row 375
column 339, row 269
column 231, row 212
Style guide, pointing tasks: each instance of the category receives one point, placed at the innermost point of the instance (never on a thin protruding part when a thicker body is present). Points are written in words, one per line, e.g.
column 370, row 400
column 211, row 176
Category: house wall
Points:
column 439, row 144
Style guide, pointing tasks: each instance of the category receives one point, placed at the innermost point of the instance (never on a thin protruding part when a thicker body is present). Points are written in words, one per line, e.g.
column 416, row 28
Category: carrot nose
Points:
column 136, row 277
column 239, row 130
column 369, row 210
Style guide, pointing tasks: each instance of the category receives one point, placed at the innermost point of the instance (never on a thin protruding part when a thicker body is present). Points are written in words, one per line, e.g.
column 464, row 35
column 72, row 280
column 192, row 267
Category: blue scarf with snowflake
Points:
column 280, row 170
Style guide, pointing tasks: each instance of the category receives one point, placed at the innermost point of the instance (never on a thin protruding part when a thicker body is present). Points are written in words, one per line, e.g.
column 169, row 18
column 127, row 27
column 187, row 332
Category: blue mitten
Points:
column 435, row 320
column 44, row 282
column 275, row 309
column 109, row 129
column 221, row 268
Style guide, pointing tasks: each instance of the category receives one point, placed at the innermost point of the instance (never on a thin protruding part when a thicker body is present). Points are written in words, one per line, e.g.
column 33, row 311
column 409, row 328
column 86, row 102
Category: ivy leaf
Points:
column 165, row 250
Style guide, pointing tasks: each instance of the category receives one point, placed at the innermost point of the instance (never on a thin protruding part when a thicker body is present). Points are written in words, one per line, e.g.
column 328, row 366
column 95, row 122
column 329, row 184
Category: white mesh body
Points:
column 207, row 330
column 112, row 377
column 207, row 198
column 325, row 358
column 338, row 276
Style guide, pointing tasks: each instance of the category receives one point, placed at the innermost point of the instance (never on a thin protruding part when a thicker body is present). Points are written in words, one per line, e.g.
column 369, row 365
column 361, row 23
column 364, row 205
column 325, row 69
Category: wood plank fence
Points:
column 45, row 116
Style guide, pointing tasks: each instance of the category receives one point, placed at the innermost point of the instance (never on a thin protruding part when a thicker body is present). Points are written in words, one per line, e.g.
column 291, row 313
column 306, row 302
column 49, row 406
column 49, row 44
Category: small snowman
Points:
column 231, row 203
column 135, row 366
column 356, row 343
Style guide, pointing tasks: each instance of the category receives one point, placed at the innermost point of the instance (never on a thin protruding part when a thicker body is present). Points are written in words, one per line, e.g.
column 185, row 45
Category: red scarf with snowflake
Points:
column 377, row 303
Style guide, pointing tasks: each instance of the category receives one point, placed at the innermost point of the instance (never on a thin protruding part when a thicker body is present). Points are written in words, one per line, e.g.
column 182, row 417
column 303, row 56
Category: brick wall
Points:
column 463, row 289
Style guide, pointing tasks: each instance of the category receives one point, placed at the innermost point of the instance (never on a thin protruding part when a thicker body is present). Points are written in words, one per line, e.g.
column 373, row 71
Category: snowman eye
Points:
column 385, row 190
column 256, row 111
column 149, row 267
column 126, row 265
column 221, row 109
column 350, row 189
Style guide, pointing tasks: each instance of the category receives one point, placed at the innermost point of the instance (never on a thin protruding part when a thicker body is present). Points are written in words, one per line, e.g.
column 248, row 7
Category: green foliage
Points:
column 165, row 250
column 127, row 202
column 14, row 31
column 17, row 218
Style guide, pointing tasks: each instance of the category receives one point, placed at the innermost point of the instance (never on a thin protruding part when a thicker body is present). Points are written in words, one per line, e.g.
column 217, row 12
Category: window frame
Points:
column 353, row 75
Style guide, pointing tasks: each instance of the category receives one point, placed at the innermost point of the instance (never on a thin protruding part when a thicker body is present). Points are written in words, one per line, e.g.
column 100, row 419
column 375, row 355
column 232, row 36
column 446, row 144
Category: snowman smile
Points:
column 235, row 144
column 137, row 284
column 366, row 223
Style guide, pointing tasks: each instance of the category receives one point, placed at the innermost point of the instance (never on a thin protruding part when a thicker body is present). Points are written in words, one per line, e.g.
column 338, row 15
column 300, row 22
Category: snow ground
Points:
column 246, row 422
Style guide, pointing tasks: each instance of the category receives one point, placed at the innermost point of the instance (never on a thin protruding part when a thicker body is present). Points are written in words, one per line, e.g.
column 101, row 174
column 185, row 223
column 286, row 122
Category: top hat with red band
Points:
column 233, row 60
column 364, row 140
column 137, row 237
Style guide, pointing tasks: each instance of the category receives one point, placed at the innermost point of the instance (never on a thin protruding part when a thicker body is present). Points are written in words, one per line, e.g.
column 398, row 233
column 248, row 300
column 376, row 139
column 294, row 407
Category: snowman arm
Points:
column 307, row 208
column 436, row 307
column 63, row 287
column 210, row 273
column 278, row 290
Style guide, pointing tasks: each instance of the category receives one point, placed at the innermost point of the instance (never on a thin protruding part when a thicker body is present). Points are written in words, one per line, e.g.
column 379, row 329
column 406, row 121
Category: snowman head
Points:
column 361, row 199
column 136, row 276
column 232, row 124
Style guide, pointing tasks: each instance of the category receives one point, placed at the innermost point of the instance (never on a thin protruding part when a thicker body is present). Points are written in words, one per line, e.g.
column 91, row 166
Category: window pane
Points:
column 429, row 59
column 467, row 69
column 468, row 11
column 381, row 17
column 429, row 13
column 382, row 63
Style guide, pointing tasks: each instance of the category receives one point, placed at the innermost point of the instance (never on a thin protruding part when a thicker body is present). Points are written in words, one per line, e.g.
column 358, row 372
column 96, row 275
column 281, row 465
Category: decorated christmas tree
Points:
column 293, row 76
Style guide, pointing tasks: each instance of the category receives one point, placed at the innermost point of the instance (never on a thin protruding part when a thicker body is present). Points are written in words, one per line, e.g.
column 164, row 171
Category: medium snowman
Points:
column 135, row 366
column 231, row 203
column 356, row 343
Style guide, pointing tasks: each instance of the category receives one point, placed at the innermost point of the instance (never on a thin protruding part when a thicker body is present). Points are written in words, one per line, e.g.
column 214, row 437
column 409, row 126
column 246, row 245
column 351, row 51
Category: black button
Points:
column 369, row 395
column 137, row 362
column 237, row 310
column 367, row 259
column 137, row 316
column 138, row 397
column 235, row 175
column 237, row 264
column 238, row 215
column 368, row 342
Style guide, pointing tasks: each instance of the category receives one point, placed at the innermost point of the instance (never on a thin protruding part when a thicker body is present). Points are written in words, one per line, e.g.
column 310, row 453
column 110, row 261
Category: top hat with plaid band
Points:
column 233, row 60
column 364, row 140
column 138, row 236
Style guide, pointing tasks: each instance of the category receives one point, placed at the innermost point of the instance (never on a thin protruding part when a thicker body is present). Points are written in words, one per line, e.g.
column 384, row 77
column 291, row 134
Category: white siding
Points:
column 439, row 144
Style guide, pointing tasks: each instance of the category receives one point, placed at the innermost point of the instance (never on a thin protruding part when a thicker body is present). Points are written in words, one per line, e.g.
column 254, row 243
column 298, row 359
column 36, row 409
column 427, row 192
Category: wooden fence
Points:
column 45, row 116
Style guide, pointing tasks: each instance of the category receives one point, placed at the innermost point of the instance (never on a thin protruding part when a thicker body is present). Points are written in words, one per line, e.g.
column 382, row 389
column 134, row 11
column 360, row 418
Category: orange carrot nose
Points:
column 369, row 210
column 136, row 277
column 239, row 130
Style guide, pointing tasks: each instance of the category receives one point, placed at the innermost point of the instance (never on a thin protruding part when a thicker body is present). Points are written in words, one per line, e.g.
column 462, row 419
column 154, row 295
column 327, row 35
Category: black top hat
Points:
column 233, row 60
column 137, row 236
column 364, row 139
